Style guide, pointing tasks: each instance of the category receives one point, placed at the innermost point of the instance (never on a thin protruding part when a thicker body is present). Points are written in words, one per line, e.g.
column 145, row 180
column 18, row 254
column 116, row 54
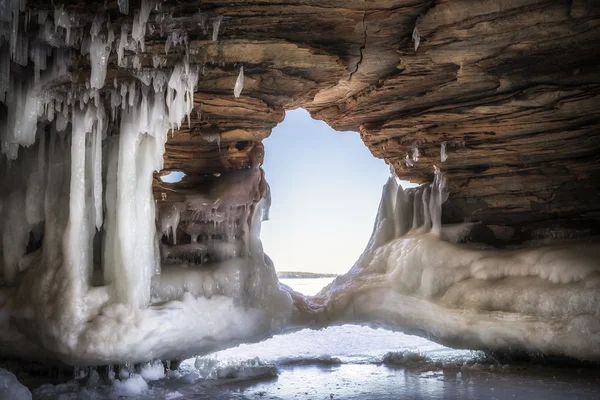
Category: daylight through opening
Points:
column 326, row 187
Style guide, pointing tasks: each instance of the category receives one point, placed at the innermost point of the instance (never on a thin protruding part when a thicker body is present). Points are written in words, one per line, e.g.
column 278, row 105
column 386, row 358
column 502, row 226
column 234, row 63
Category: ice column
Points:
column 142, row 138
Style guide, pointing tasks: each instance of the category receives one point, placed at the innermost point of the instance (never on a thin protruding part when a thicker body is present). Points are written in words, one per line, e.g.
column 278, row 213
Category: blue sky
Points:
column 326, row 187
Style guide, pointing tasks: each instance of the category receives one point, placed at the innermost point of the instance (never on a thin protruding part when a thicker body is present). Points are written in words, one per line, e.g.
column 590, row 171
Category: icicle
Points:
column 136, row 64
column 96, row 27
column 180, row 100
column 61, row 18
column 124, row 6
column 216, row 26
column 139, row 156
column 167, row 45
column 239, row 83
column 443, row 155
column 98, row 61
column 123, row 95
column 415, row 155
column 438, row 196
column 416, row 37
column 14, row 30
column 156, row 61
column 138, row 30
column 122, row 44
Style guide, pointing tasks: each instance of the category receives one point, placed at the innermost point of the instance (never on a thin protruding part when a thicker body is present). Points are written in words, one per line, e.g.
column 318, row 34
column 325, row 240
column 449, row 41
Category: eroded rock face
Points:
column 508, row 88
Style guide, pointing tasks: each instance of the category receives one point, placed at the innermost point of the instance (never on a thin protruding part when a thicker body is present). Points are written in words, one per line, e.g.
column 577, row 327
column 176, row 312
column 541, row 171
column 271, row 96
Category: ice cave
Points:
column 132, row 190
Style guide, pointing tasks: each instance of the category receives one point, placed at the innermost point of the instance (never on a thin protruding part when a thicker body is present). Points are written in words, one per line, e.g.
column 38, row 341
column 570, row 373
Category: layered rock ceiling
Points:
column 510, row 88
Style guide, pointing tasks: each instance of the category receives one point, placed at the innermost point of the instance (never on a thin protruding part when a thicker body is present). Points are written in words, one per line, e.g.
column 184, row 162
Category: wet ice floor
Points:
column 346, row 362
column 368, row 381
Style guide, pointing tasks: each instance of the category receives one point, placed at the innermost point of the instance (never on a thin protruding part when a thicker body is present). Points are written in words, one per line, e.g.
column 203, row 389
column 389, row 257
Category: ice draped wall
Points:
column 79, row 242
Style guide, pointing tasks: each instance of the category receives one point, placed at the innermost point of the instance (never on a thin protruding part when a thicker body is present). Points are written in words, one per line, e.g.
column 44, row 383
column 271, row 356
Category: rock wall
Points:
column 509, row 88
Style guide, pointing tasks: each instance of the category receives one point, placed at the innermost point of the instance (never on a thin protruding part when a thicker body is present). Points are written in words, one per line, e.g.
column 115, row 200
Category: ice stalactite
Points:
column 216, row 26
column 416, row 37
column 443, row 154
column 239, row 83
column 99, row 51
column 124, row 6
column 414, row 278
column 138, row 30
column 180, row 91
column 122, row 45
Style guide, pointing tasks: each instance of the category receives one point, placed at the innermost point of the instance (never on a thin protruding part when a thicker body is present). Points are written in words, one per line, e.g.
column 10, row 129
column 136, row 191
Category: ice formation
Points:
column 117, row 278
column 239, row 83
column 216, row 26
column 443, row 154
column 537, row 299
column 416, row 37
column 78, row 222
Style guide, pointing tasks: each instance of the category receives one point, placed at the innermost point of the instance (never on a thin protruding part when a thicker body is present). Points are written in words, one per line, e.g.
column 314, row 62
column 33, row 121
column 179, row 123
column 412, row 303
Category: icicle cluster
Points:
column 415, row 210
column 218, row 223
column 104, row 183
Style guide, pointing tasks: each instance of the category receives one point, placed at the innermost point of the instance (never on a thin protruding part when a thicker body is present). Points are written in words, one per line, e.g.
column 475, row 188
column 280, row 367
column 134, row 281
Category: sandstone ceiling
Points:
column 511, row 89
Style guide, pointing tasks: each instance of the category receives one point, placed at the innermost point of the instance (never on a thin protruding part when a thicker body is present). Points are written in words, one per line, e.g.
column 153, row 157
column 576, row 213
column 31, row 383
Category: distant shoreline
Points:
column 302, row 275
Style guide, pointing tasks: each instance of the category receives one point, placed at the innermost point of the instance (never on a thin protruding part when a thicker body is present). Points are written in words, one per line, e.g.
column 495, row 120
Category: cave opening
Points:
column 325, row 187
column 172, row 177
